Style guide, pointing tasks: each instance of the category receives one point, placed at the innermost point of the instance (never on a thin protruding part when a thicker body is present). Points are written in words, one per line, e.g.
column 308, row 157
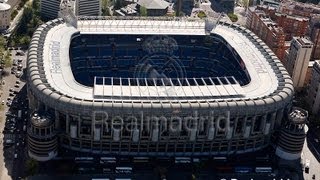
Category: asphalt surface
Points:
column 311, row 153
column 10, row 167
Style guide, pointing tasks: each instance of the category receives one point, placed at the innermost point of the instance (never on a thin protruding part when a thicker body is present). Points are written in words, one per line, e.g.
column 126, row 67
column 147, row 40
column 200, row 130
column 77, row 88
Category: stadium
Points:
column 152, row 87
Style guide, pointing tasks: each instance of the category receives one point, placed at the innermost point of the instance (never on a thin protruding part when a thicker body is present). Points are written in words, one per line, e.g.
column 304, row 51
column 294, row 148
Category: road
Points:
column 7, row 163
column 310, row 150
column 16, row 20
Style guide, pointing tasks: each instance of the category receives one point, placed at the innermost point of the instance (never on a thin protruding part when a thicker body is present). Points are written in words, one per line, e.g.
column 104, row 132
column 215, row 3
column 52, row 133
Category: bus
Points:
column 263, row 169
column 243, row 169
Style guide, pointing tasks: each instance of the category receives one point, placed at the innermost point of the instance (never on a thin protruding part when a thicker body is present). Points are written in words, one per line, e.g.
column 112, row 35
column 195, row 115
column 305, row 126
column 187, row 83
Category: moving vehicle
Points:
column 182, row 160
column 243, row 169
column 263, row 169
column 8, row 143
column 307, row 165
column 108, row 160
column 123, row 170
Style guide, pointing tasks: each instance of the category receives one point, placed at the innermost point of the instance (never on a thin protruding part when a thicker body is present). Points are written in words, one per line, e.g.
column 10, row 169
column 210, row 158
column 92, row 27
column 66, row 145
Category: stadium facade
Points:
column 153, row 87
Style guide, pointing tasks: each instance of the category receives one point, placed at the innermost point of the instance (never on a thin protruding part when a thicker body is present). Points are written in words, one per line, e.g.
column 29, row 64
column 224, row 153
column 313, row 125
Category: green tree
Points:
column 105, row 8
column 7, row 59
column 29, row 22
column 202, row 14
column 26, row 18
column 233, row 17
column 24, row 40
column 31, row 166
column 143, row 11
column 245, row 4
column 14, row 14
column 2, row 43
column 118, row 4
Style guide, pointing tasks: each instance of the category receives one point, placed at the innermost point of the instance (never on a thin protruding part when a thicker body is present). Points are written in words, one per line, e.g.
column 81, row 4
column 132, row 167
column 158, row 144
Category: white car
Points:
column 307, row 163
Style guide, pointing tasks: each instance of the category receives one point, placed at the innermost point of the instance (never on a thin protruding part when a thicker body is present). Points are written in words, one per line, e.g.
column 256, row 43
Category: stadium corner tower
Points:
column 152, row 87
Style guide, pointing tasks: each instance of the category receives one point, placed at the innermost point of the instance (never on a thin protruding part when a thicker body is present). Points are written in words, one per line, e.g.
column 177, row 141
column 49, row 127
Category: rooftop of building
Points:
column 153, row 4
column 295, row 17
column 41, row 120
column 298, row 115
column 300, row 6
column 4, row 6
column 303, row 40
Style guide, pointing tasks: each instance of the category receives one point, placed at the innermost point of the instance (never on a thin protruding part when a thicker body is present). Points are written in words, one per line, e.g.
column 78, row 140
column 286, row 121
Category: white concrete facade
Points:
column 5, row 12
column 298, row 60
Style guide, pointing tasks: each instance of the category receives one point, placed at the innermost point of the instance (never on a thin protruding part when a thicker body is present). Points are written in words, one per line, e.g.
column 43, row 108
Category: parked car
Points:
column 9, row 102
column 20, row 66
column 19, row 53
column 18, row 74
column 13, row 70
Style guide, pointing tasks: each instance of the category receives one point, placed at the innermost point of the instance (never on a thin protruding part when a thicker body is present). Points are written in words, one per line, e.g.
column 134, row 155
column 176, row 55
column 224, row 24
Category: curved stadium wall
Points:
column 210, row 99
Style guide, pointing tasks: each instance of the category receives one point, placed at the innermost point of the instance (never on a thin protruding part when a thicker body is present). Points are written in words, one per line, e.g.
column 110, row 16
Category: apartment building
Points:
column 269, row 31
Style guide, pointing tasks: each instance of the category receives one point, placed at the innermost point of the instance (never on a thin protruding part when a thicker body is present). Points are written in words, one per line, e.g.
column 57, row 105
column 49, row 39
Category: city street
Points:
column 310, row 150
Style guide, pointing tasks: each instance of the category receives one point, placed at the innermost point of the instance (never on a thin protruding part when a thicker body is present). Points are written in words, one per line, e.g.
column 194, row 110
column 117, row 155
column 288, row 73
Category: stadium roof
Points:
column 268, row 76
column 118, row 26
column 65, row 82
column 4, row 6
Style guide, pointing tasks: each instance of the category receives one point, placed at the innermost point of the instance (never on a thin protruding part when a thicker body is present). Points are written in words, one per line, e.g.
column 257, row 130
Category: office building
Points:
column 297, row 61
column 269, row 31
column 313, row 97
column 315, row 35
column 88, row 7
column 49, row 9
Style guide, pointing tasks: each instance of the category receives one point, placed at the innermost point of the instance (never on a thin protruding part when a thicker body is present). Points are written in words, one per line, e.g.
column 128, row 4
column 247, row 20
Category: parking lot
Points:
column 14, row 109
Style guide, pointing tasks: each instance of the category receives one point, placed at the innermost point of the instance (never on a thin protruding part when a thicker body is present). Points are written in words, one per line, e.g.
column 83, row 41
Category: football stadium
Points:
column 153, row 87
